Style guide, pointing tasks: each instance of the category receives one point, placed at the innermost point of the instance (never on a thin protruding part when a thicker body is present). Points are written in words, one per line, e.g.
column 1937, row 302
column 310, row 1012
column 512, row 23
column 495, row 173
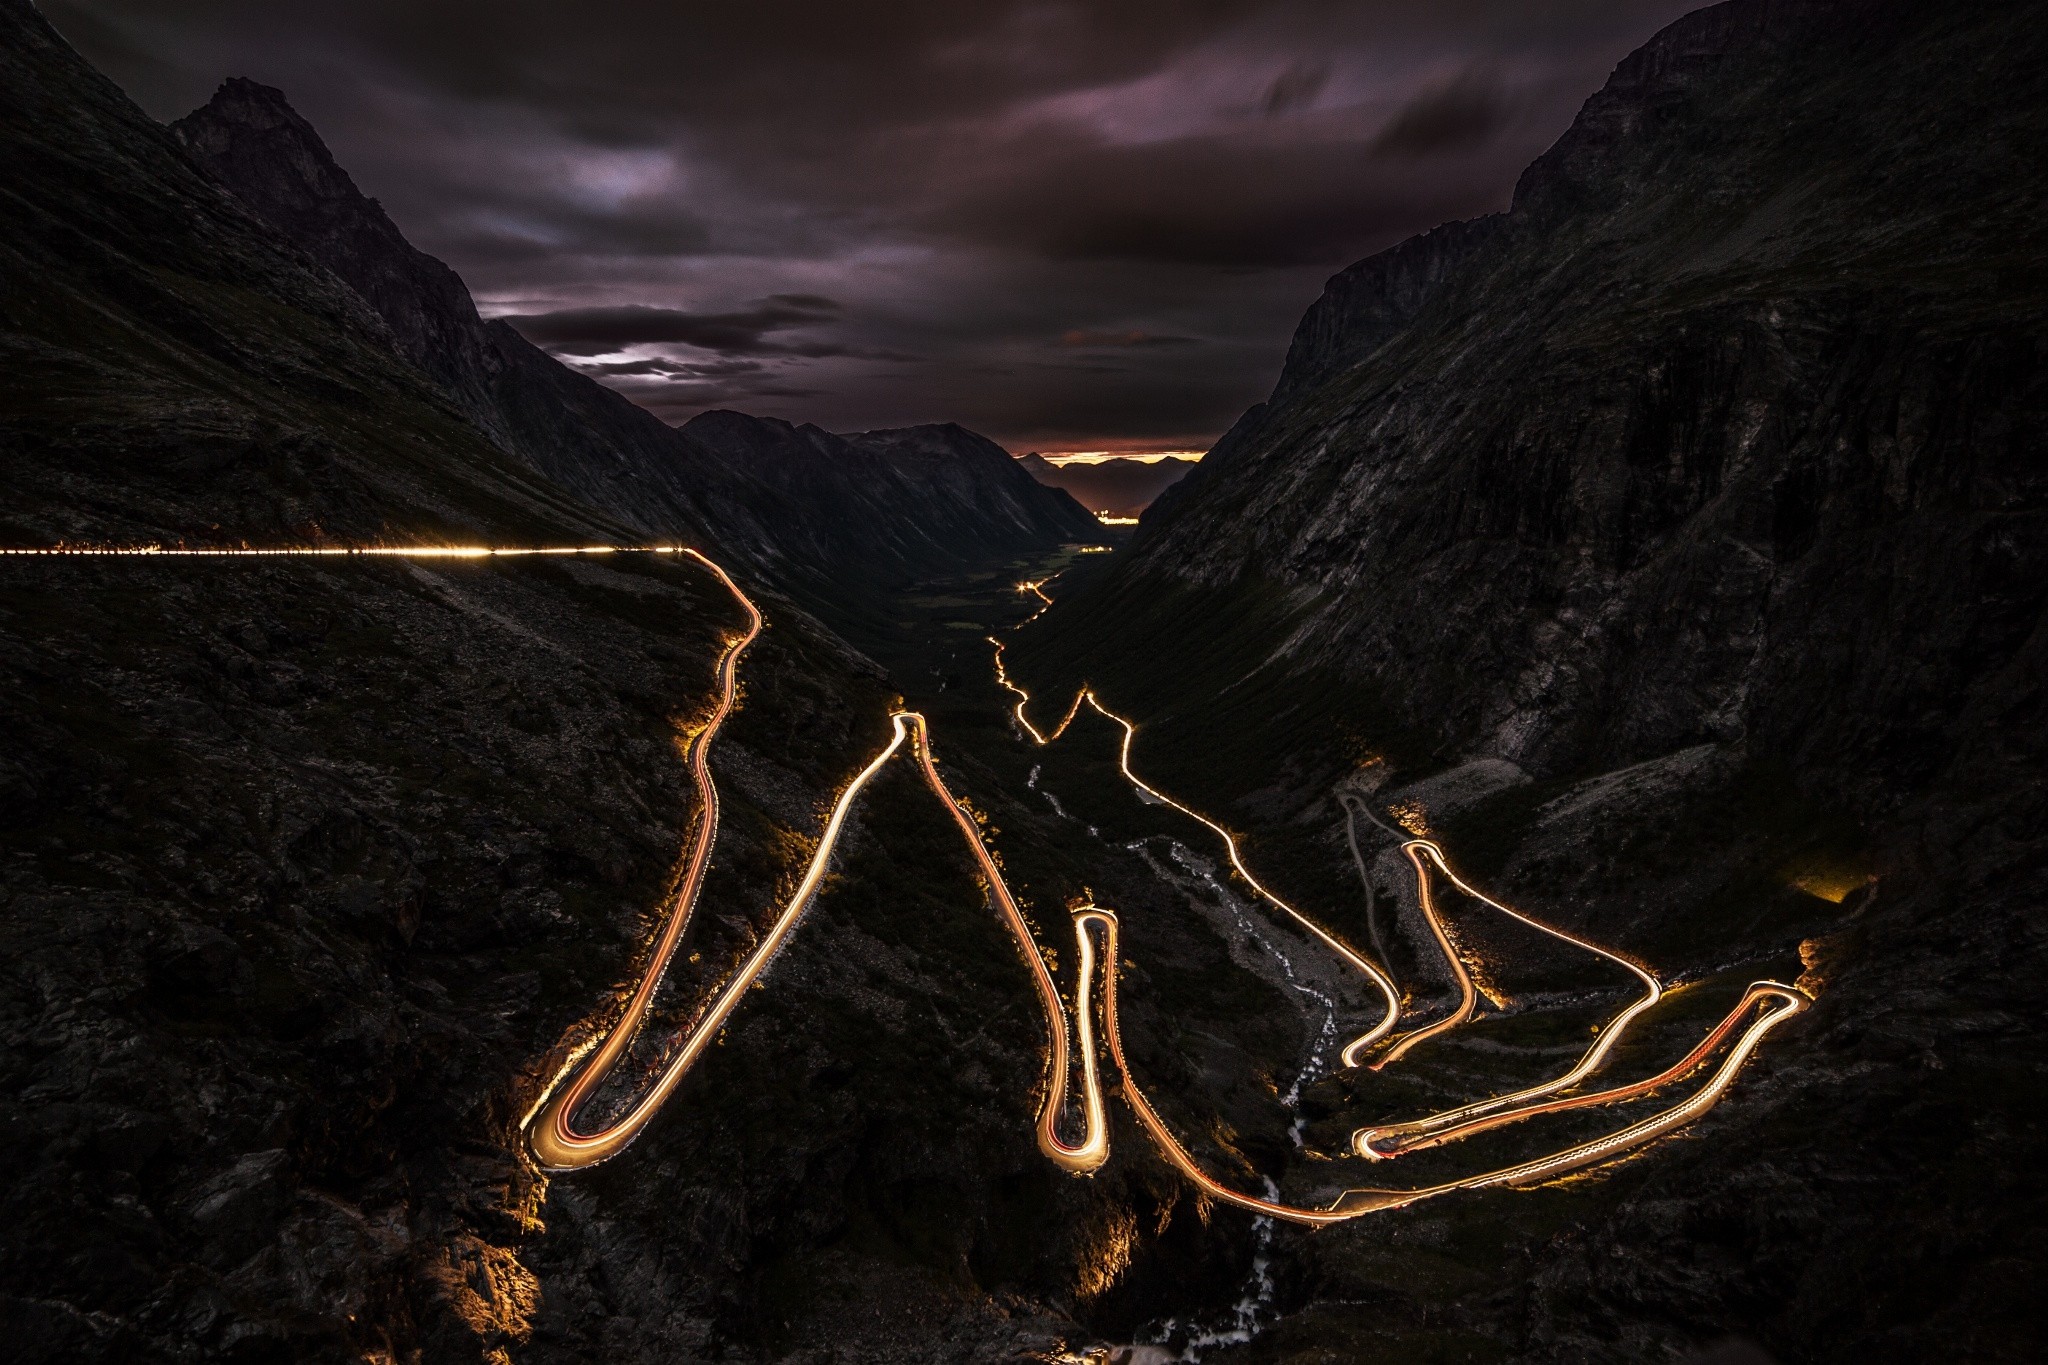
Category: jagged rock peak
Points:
column 250, row 139
column 247, row 121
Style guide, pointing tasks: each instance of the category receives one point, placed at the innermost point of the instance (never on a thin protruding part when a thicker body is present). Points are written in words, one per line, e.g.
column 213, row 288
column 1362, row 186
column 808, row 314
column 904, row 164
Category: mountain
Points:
column 308, row 866
column 815, row 513
column 172, row 366
column 978, row 474
column 1115, row 487
column 1676, row 544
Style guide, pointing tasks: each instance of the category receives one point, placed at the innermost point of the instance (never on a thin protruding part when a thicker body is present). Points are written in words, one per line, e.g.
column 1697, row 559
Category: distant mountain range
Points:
column 813, row 511
column 1114, row 487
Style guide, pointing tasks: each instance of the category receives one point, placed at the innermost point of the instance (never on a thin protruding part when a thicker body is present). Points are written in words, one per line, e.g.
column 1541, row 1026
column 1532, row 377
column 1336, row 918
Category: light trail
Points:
column 1397, row 1138
column 559, row 1145
column 1037, row 588
column 1351, row 956
column 1358, row 1203
column 1468, row 994
column 1388, row 1140
column 1457, row 1124
column 1024, row 700
column 1394, row 1139
column 342, row 552
column 1093, row 1149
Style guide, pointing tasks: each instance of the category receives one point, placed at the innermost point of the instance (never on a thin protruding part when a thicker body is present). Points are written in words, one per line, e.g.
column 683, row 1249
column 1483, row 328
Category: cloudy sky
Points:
column 1072, row 226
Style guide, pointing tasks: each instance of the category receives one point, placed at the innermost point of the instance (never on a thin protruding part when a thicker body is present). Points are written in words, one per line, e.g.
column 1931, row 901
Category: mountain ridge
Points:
column 981, row 473
column 1705, row 482
column 710, row 479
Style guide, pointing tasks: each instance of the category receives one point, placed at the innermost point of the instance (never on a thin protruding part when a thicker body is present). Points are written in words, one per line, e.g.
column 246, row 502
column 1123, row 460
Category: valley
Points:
column 1531, row 850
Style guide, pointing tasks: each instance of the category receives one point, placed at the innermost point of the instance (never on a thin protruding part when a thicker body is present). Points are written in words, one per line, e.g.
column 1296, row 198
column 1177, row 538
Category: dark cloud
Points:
column 1463, row 113
column 514, row 232
column 594, row 331
column 1295, row 88
column 1080, row 336
column 823, row 190
column 1243, row 201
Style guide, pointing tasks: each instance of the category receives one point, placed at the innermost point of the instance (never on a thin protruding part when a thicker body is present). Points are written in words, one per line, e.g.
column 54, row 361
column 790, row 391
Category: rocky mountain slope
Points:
column 1676, row 544
column 308, row 866
column 814, row 512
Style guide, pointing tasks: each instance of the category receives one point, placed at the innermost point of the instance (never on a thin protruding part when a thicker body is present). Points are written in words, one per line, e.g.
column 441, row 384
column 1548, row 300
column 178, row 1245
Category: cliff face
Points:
column 1366, row 305
column 811, row 510
column 1718, row 461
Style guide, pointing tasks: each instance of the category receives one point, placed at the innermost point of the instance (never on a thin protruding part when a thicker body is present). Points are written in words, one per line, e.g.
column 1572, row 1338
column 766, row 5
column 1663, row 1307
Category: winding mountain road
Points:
column 559, row 1143
column 1389, row 1140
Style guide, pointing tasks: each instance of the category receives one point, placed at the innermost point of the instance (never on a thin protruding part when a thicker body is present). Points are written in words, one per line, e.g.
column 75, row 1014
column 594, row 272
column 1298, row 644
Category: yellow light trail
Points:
column 1393, row 1139
column 1357, row 1203
column 341, row 551
column 558, row 1144
column 1037, row 588
column 1388, row 1140
column 1356, row 960
column 1457, row 1124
